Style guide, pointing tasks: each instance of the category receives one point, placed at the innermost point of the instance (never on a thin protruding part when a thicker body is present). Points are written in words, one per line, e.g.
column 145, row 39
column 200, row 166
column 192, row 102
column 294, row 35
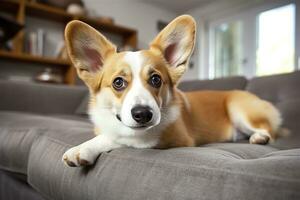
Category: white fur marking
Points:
column 138, row 94
column 115, row 134
column 241, row 124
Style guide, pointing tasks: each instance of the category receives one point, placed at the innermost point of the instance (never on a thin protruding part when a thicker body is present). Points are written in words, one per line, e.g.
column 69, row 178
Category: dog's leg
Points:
column 259, row 135
column 248, row 116
column 87, row 152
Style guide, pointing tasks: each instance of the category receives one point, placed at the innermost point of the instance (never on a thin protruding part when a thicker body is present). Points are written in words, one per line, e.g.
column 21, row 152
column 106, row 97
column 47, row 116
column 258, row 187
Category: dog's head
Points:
column 135, row 87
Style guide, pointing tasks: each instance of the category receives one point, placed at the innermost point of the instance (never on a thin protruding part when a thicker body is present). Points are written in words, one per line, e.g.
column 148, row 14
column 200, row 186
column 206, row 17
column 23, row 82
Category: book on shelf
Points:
column 35, row 42
column 40, row 42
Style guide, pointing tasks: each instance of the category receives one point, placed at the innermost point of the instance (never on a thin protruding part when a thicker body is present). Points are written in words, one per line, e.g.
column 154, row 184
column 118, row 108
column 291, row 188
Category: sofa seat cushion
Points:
column 19, row 130
column 13, row 188
column 216, row 171
column 30, row 120
column 230, row 83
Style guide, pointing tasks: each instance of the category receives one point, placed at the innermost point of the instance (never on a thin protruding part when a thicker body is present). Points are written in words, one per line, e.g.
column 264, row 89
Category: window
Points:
column 257, row 42
column 276, row 40
column 227, row 49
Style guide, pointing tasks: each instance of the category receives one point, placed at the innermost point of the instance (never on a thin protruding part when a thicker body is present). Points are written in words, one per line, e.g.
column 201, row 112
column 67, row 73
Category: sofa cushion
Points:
column 30, row 120
column 290, row 110
column 283, row 91
column 40, row 98
column 276, row 88
column 215, row 171
column 82, row 109
column 19, row 130
column 12, row 188
column 231, row 83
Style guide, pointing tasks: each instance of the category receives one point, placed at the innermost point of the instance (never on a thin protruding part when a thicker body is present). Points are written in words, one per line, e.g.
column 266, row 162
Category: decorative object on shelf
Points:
column 8, row 29
column 49, row 75
column 76, row 9
column 61, row 51
column 63, row 54
column 106, row 20
column 127, row 48
column 61, row 3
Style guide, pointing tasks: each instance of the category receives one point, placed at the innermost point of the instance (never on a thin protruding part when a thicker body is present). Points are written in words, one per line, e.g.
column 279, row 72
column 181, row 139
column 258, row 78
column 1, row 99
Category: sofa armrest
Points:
column 40, row 98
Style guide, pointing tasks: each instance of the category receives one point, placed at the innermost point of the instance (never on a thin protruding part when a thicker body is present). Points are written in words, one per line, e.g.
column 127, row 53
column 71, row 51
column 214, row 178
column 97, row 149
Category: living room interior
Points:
column 240, row 45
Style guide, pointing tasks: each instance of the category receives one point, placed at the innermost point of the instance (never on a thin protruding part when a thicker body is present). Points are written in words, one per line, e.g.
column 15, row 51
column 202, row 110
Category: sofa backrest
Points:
column 231, row 83
column 284, row 92
column 276, row 88
column 40, row 98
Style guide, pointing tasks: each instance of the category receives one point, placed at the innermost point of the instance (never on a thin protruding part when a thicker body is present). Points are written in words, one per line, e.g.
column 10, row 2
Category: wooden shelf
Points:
column 60, row 15
column 9, row 6
column 33, row 59
column 112, row 28
column 24, row 8
column 47, row 12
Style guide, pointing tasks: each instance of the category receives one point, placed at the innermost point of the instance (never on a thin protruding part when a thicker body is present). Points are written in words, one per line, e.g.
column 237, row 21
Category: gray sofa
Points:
column 39, row 122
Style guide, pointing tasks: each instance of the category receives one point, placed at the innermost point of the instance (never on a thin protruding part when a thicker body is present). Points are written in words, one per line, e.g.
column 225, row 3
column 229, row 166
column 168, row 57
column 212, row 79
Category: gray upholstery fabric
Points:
column 15, row 145
column 216, row 171
column 82, row 109
column 19, row 130
column 12, row 188
column 231, row 83
column 284, row 91
column 29, row 120
column 40, row 98
column 33, row 144
column 290, row 110
column 277, row 88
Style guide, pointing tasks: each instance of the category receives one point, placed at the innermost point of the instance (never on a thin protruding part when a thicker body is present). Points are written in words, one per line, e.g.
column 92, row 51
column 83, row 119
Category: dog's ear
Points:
column 87, row 48
column 176, row 43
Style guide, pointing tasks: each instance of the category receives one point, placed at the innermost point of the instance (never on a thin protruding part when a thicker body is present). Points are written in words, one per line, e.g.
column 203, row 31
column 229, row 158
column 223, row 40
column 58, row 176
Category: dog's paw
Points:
column 261, row 137
column 78, row 156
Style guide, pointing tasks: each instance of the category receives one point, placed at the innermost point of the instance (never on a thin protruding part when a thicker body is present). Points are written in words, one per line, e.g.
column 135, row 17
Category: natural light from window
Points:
column 276, row 41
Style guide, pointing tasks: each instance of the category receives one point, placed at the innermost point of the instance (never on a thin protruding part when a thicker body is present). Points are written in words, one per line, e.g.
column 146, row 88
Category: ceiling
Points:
column 179, row 6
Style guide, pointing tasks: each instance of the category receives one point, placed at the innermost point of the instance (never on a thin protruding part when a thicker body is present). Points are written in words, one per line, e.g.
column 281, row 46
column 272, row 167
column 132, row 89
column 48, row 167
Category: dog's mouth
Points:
column 141, row 127
column 118, row 117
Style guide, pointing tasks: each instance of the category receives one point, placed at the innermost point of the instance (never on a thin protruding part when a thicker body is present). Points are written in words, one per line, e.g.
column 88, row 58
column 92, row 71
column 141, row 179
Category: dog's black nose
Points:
column 142, row 114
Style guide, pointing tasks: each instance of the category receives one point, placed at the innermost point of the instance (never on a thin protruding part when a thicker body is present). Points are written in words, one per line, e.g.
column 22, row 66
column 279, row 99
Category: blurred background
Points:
column 235, row 37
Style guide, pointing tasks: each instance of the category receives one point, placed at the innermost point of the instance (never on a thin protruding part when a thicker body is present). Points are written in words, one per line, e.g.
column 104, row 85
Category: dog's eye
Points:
column 155, row 81
column 119, row 84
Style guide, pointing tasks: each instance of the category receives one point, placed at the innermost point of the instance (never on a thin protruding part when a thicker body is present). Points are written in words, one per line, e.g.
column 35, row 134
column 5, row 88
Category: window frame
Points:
column 249, row 19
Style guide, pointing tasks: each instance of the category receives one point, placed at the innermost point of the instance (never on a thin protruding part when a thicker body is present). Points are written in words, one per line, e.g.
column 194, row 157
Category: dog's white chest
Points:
column 145, row 141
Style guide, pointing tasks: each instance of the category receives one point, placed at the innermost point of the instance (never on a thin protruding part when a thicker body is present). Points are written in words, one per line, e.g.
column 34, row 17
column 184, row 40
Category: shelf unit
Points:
column 33, row 59
column 23, row 8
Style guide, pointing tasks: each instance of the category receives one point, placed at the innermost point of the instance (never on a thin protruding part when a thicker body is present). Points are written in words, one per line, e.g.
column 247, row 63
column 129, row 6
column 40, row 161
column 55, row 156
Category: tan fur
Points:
column 205, row 117
column 181, row 24
column 209, row 120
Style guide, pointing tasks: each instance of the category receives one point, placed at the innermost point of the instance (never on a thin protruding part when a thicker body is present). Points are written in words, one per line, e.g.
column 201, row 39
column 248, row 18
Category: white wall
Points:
column 227, row 9
column 132, row 13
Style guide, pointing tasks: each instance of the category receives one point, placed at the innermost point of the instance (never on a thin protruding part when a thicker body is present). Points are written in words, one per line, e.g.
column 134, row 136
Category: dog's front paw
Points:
column 78, row 156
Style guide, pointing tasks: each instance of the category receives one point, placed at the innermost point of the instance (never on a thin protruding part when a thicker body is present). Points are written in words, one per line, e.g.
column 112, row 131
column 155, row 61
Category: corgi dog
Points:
column 134, row 101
